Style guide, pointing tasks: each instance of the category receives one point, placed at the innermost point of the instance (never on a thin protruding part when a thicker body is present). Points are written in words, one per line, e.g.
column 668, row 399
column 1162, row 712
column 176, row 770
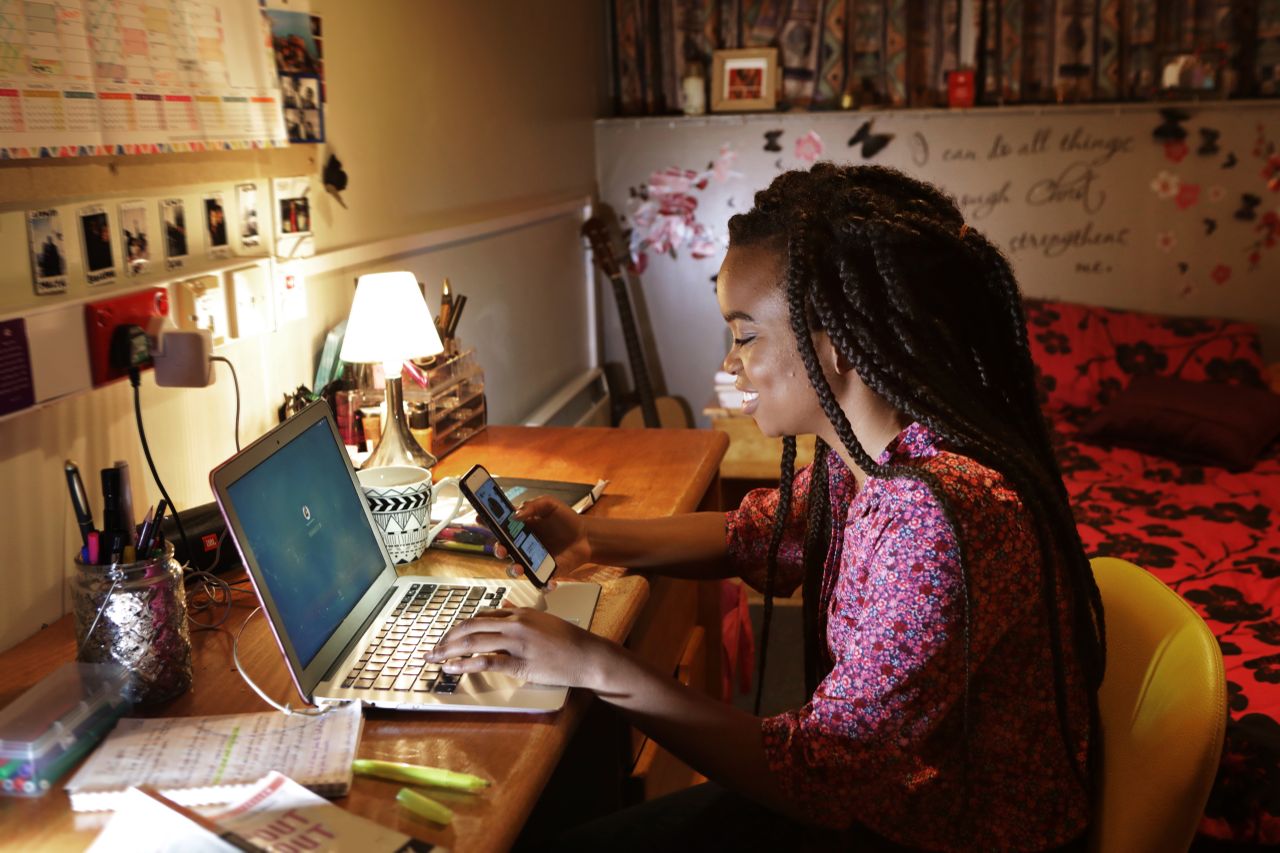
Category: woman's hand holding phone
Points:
column 560, row 529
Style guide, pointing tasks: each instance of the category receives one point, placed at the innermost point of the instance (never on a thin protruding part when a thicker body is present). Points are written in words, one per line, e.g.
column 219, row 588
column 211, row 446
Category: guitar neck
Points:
column 635, row 355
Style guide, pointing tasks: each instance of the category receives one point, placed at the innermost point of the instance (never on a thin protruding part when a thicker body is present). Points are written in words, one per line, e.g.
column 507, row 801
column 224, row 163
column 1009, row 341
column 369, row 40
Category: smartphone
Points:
column 495, row 510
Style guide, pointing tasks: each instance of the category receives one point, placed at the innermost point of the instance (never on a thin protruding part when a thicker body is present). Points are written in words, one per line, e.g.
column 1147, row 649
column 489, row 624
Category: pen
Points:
column 455, row 315
column 92, row 545
column 144, row 528
column 144, row 547
column 79, row 500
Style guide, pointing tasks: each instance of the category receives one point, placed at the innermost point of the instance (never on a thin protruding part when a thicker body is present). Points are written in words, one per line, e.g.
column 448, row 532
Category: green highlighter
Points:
column 416, row 774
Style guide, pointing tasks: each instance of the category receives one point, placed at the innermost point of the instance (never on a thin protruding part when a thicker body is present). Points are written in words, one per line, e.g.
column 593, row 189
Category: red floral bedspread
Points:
column 1211, row 535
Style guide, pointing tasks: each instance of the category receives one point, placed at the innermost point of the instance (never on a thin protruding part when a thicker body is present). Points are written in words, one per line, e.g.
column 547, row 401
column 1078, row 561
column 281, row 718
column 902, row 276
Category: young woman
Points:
column 954, row 634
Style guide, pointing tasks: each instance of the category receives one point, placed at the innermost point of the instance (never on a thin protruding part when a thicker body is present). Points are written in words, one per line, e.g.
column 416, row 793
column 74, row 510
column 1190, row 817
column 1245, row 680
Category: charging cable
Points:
column 287, row 709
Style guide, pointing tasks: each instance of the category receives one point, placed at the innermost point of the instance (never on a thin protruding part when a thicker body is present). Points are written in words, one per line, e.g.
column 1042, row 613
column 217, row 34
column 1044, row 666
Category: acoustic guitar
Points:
column 653, row 412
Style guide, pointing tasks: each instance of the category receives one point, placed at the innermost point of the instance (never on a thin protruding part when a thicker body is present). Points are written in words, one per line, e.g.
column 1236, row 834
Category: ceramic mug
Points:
column 400, row 497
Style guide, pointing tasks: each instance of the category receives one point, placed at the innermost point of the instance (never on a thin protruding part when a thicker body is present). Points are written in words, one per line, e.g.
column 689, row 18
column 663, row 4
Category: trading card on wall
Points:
column 215, row 226
column 95, row 233
column 134, row 240
column 173, row 219
column 247, row 212
column 293, row 218
column 48, row 251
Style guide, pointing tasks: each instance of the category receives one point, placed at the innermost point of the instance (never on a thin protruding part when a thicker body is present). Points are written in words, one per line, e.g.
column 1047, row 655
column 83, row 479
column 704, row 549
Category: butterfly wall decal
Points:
column 1248, row 204
column 1171, row 129
column 1183, row 266
column 1208, row 142
column 771, row 140
column 872, row 143
column 1210, row 225
column 1230, row 162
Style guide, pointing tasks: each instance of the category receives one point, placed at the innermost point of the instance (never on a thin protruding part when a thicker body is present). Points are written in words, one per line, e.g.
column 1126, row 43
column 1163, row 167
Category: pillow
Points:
column 1207, row 423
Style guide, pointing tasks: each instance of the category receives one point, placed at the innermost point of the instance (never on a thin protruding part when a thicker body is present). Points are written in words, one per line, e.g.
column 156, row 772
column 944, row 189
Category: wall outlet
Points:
column 202, row 305
column 252, row 311
column 103, row 317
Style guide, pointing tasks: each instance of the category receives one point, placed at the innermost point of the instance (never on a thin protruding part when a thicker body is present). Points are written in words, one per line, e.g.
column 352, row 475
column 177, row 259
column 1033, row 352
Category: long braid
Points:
column 817, row 541
column 775, row 542
column 896, row 251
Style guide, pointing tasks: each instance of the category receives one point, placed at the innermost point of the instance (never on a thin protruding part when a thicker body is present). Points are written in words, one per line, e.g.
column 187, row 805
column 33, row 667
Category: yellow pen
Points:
column 424, row 806
column 417, row 774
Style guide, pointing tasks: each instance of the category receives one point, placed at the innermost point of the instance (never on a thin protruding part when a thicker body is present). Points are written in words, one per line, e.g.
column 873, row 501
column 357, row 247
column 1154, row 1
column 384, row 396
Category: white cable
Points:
column 287, row 709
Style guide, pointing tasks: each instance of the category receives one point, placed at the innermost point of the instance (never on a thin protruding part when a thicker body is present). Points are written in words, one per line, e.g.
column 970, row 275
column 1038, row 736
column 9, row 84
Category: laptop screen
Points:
column 304, row 522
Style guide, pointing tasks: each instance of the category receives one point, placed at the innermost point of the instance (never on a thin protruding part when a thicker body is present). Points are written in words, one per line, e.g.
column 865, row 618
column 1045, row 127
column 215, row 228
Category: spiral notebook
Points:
column 197, row 761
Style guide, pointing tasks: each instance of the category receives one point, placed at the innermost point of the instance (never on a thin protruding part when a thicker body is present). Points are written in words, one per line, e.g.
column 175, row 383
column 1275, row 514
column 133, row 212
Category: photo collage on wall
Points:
column 298, row 43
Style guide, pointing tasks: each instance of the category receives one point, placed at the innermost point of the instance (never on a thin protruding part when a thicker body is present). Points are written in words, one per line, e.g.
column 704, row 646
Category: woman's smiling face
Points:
column 764, row 357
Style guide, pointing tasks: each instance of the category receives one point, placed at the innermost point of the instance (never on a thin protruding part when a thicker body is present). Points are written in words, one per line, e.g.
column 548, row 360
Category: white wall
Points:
column 1048, row 189
column 443, row 114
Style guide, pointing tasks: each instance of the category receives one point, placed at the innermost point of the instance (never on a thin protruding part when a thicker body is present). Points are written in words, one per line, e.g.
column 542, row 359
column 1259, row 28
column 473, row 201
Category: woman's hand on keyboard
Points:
column 527, row 644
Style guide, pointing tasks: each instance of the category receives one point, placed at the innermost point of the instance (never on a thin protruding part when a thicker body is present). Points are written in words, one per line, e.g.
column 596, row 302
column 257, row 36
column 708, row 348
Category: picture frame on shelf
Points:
column 744, row 80
column 1187, row 75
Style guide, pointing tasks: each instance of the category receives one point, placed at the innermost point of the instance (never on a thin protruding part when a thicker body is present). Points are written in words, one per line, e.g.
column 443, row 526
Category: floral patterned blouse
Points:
column 880, row 743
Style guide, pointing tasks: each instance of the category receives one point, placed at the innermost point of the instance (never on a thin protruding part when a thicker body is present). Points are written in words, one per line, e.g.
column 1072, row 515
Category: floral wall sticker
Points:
column 1252, row 231
column 662, row 214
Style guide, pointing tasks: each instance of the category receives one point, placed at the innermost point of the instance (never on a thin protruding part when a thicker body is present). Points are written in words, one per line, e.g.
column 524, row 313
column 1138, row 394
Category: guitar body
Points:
column 672, row 414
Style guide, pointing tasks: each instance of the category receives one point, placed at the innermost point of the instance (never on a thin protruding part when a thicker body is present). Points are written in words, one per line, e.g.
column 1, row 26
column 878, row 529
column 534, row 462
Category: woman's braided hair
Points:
column 930, row 316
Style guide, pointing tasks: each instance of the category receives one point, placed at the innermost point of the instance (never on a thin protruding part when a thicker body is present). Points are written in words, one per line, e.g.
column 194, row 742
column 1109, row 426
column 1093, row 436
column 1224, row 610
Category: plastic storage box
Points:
column 47, row 729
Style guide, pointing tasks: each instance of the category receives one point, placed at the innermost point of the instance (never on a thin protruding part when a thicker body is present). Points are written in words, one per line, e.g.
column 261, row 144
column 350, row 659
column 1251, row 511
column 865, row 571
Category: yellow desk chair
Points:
column 1164, row 709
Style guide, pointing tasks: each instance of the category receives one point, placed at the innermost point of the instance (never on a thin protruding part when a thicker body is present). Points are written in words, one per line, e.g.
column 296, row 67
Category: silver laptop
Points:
column 349, row 627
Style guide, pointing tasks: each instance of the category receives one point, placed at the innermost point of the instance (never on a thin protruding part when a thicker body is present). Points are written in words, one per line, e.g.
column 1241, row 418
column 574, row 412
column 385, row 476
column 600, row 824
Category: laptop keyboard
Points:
column 395, row 659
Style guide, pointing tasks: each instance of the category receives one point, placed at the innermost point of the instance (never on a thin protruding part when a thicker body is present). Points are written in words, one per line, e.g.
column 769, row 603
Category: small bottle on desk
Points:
column 420, row 424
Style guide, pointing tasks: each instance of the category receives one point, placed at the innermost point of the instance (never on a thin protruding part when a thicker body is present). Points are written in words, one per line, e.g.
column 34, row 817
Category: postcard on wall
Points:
column 133, row 237
column 247, row 215
column 215, row 226
column 48, row 251
column 173, row 219
column 294, row 238
column 95, row 234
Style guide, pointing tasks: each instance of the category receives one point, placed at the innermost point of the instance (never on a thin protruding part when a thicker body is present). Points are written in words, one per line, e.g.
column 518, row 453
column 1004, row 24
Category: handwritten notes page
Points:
column 202, row 760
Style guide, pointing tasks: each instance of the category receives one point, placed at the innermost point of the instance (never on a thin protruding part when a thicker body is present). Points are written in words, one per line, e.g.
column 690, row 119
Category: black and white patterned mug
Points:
column 400, row 497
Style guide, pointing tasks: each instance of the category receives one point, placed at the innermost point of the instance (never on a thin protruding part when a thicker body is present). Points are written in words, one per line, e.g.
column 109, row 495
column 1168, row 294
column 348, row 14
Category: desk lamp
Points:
column 389, row 324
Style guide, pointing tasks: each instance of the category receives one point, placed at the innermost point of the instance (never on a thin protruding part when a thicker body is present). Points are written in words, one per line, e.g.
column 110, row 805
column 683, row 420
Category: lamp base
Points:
column 397, row 445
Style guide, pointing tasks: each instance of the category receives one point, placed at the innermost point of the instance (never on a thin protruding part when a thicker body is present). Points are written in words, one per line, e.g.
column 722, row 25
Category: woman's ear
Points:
column 829, row 355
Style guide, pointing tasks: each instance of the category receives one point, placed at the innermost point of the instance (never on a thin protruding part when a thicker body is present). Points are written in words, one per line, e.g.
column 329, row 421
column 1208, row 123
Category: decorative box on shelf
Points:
column 454, row 395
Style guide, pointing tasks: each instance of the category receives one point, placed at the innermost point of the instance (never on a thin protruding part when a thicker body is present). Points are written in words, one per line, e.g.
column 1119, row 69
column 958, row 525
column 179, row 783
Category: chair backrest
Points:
column 1163, row 706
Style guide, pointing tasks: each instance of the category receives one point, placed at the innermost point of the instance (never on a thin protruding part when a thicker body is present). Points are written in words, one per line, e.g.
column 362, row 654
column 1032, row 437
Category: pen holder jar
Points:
column 135, row 615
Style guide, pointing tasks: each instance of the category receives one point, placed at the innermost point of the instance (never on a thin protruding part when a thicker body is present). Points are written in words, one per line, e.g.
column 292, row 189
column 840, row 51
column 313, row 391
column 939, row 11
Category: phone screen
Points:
column 492, row 503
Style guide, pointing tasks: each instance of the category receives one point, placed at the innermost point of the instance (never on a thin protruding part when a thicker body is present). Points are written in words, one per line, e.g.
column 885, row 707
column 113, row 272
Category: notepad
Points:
column 197, row 761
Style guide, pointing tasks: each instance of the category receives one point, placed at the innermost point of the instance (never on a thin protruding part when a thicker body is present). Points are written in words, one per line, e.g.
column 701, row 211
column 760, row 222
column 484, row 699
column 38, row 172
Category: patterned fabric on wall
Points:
column 899, row 52
column 799, row 41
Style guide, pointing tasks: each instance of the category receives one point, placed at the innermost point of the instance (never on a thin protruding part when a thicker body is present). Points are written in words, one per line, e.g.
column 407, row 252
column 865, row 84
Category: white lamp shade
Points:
column 390, row 321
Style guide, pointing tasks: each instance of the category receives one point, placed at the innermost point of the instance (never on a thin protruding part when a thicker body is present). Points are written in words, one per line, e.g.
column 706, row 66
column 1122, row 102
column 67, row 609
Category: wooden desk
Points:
column 651, row 472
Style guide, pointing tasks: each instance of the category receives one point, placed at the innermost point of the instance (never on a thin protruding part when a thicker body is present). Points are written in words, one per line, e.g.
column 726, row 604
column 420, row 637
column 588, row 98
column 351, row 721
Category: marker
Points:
column 93, row 547
column 126, row 497
column 111, row 520
column 419, row 774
